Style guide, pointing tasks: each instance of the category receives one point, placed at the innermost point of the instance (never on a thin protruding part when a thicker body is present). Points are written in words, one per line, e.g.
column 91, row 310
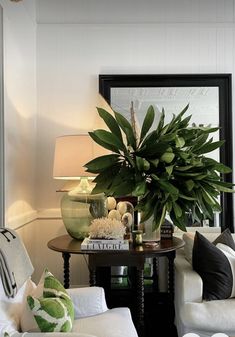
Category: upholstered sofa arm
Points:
column 188, row 283
column 88, row 301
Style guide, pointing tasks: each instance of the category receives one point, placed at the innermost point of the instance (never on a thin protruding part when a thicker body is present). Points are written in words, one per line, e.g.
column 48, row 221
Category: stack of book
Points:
column 103, row 244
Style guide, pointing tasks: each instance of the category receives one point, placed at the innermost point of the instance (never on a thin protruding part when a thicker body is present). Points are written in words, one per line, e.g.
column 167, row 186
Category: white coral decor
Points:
column 106, row 228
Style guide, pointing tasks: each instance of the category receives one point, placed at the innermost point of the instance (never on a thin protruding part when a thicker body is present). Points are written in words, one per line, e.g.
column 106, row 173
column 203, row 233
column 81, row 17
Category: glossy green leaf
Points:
column 161, row 122
column 102, row 143
column 145, row 215
column 159, row 217
column 110, row 122
column 183, row 196
column 220, row 186
column 189, row 184
column 168, row 137
column 179, row 141
column 151, row 138
column 100, row 163
column 183, row 168
column 210, row 147
column 222, row 168
column 110, row 138
column 179, row 222
column 165, row 185
column 169, row 169
column 154, row 162
column 127, row 129
column 177, row 209
column 147, row 123
column 206, row 196
column 140, row 189
column 184, row 123
column 124, row 188
column 199, row 141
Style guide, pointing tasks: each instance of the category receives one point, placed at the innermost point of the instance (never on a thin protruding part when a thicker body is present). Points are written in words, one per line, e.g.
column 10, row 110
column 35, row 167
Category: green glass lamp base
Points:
column 78, row 210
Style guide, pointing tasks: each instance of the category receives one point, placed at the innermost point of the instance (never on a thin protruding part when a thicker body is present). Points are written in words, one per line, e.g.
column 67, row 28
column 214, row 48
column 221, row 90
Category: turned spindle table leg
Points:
column 171, row 274
column 66, row 257
column 140, row 301
column 92, row 279
column 155, row 273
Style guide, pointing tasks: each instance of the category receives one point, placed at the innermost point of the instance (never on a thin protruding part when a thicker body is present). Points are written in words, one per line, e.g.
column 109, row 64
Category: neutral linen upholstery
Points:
column 15, row 264
column 10, row 308
column 92, row 317
column 116, row 323
column 88, row 303
column 192, row 313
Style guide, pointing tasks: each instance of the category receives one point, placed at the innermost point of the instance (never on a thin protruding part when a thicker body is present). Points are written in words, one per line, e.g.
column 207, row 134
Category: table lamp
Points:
column 78, row 206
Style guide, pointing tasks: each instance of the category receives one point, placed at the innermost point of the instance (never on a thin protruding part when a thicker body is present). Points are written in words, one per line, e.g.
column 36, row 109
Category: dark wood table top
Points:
column 66, row 244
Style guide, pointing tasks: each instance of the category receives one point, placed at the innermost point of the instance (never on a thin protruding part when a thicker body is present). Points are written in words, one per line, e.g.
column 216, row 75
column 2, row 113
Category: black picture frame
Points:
column 222, row 81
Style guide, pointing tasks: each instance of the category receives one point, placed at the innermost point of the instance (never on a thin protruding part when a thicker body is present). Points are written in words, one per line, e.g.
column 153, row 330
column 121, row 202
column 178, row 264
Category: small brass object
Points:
column 137, row 237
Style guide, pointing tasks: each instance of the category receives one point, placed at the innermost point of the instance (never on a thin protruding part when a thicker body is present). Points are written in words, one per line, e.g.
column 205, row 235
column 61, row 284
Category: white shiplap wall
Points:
column 20, row 109
column 79, row 39
column 135, row 11
column 70, row 57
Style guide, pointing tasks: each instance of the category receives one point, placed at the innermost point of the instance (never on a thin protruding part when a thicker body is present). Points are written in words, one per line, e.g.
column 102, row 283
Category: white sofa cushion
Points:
column 188, row 247
column 88, row 302
column 188, row 283
column 192, row 314
column 213, row 316
column 115, row 322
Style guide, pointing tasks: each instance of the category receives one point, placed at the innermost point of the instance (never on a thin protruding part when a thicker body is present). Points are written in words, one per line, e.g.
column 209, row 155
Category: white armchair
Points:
column 192, row 313
column 92, row 317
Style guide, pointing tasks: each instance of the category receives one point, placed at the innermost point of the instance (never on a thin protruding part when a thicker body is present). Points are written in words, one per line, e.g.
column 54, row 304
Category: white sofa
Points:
column 92, row 317
column 192, row 313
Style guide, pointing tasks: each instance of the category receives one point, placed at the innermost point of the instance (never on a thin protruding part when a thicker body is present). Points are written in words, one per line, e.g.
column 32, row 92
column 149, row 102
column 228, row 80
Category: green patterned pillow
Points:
column 53, row 311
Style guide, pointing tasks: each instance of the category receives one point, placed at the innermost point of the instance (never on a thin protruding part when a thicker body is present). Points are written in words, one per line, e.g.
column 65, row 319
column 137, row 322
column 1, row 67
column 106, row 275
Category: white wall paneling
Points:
column 51, row 84
column 70, row 57
column 134, row 11
column 35, row 236
column 20, row 110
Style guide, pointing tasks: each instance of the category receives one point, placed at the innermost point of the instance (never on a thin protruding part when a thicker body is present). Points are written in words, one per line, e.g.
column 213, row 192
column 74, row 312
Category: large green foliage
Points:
column 165, row 168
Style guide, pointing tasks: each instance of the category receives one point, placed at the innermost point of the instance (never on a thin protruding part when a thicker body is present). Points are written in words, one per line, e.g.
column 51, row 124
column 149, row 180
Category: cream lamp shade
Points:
column 72, row 152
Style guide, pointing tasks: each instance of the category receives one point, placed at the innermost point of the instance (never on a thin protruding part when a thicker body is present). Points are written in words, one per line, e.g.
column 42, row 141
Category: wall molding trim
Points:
column 22, row 219
column 49, row 213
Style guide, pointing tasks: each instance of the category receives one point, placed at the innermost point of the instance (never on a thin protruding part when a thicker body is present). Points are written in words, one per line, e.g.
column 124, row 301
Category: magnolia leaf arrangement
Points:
column 166, row 168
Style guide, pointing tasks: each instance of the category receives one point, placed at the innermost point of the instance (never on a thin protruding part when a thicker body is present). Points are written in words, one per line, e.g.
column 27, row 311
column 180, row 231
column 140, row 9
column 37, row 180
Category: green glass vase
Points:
column 79, row 210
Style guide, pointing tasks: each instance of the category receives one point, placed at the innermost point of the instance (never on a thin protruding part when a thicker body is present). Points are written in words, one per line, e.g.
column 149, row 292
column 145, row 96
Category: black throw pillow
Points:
column 213, row 267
